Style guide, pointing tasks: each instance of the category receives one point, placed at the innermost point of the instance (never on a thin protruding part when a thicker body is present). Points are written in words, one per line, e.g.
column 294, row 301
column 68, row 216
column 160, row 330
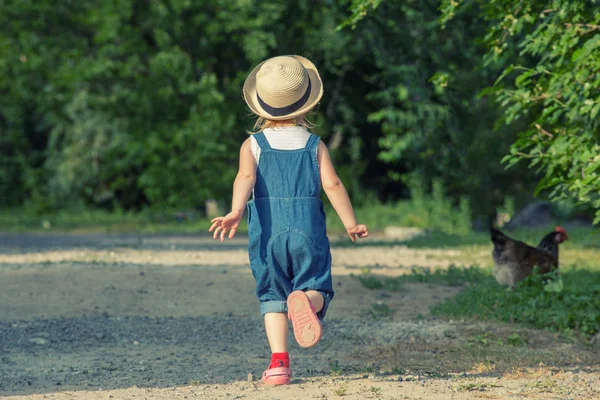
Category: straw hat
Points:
column 283, row 87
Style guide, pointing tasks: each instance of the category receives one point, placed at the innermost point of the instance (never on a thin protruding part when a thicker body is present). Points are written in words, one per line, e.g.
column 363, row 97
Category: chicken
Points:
column 515, row 260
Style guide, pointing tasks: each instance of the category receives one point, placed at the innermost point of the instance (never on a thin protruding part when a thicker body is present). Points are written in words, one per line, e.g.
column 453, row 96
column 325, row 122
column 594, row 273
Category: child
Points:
column 284, row 167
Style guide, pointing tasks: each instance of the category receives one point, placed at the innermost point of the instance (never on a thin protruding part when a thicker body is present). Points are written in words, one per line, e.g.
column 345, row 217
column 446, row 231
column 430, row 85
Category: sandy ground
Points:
column 145, row 317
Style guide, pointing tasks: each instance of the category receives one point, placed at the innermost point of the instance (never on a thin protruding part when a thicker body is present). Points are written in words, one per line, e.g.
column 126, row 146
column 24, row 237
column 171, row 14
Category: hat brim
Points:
column 316, row 92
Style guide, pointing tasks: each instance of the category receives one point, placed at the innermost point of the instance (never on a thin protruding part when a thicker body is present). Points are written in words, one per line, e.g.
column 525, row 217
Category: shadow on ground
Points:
column 110, row 352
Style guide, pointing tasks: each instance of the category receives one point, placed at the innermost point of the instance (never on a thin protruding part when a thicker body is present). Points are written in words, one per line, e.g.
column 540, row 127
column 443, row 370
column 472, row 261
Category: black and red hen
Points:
column 515, row 260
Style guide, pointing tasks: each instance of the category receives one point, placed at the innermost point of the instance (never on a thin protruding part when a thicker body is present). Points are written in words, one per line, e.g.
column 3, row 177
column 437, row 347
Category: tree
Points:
column 138, row 103
column 123, row 103
column 550, row 51
column 135, row 104
column 557, row 91
column 427, row 99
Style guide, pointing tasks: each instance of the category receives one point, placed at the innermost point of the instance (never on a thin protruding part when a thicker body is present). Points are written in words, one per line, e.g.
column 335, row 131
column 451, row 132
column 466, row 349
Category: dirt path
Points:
column 176, row 317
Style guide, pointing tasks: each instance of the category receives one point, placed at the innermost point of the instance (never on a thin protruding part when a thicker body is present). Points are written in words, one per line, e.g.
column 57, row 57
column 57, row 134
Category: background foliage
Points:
column 556, row 87
column 130, row 105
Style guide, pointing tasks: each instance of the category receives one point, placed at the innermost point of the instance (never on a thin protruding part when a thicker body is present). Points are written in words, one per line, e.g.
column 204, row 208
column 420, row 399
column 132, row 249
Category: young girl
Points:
column 284, row 167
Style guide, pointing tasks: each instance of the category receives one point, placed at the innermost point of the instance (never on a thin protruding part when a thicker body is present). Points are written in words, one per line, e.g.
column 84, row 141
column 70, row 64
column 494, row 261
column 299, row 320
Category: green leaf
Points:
column 554, row 286
column 595, row 110
column 506, row 71
column 587, row 49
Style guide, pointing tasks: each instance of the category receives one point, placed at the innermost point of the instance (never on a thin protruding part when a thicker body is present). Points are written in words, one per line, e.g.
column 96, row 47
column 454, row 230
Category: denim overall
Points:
column 288, row 246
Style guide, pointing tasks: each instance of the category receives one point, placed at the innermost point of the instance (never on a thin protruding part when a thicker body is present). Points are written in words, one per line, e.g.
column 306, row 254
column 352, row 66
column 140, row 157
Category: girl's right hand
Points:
column 223, row 224
column 360, row 230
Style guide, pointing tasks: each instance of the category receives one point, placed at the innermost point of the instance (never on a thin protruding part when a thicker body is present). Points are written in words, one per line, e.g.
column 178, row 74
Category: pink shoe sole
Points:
column 307, row 327
column 277, row 376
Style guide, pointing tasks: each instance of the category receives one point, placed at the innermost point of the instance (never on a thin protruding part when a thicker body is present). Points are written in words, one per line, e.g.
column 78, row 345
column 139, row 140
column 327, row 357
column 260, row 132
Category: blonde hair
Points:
column 263, row 123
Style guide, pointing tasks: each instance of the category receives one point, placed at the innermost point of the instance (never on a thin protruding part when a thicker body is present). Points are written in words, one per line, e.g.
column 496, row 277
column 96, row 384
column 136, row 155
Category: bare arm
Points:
column 245, row 179
column 242, row 187
column 337, row 194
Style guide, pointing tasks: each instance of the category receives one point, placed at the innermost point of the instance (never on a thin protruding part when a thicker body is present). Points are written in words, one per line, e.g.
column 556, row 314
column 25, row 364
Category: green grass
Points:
column 453, row 276
column 475, row 386
column 377, row 216
column 371, row 282
column 341, row 391
column 98, row 221
column 380, row 310
column 535, row 301
column 336, row 369
column 581, row 237
column 444, row 224
column 436, row 213
column 375, row 390
column 569, row 303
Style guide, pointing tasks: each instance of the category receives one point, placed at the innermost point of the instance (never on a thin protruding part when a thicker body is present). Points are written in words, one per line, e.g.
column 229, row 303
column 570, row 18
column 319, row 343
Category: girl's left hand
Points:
column 229, row 222
column 359, row 230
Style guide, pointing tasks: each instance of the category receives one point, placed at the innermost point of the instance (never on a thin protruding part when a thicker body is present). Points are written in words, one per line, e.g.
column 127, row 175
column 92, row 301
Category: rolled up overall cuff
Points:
column 273, row 307
column 281, row 306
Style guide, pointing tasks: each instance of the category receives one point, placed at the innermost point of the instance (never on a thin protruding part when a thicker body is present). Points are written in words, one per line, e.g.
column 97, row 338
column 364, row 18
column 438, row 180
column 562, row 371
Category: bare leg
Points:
column 276, row 325
column 316, row 299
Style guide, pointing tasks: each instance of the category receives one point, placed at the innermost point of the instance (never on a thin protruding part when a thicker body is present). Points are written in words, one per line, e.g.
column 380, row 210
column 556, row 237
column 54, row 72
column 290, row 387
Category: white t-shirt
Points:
column 284, row 138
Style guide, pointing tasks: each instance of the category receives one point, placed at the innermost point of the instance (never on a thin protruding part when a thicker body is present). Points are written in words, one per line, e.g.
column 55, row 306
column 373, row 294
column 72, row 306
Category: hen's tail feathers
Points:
column 497, row 236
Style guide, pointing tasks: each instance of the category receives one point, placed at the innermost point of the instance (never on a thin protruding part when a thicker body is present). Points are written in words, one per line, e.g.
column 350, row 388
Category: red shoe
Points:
column 277, row 376
column 307, row 327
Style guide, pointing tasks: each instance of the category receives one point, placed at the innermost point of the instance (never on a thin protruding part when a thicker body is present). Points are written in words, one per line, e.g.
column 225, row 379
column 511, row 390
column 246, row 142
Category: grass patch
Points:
column 546, row 385
column 515, row 340
column 476, row 386
column 433, row 239
column 341, row 391
column 442, row 240
column 336, row 369
column 371, row 282
column 453, row 276
column 99, row 221
column 402, row 213
column 375, row 390
column 380, row 310
column 535, row 301
column 426, row 213
column 569, row 304
column 432, row 210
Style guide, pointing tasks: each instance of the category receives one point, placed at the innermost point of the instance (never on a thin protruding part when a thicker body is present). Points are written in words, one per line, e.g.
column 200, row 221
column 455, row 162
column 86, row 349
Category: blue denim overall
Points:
column 288, row 247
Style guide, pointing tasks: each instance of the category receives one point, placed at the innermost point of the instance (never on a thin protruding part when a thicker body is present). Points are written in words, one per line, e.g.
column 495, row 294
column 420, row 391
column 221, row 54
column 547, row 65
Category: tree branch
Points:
column 583, row 26
column 591, row 27
column 543, row 131
column 523, row 155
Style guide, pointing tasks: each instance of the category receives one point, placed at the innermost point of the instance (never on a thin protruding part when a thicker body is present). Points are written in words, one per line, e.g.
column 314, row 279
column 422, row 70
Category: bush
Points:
column 433, row 211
